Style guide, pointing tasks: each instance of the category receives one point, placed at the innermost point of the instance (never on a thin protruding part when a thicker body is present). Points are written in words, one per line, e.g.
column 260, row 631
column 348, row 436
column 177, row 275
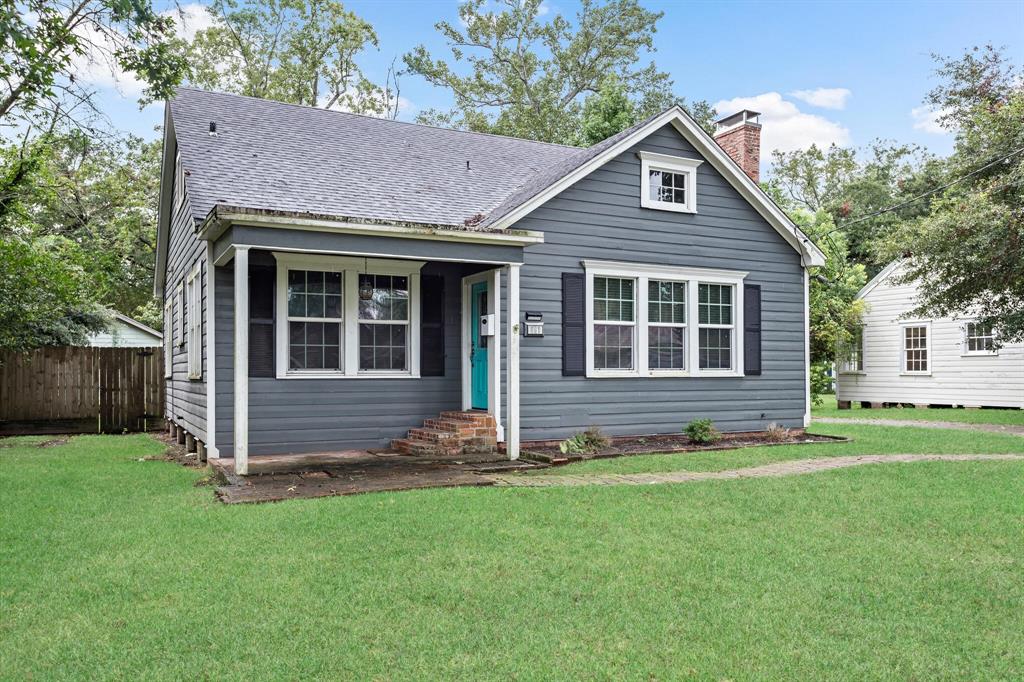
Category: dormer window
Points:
column 668, row 183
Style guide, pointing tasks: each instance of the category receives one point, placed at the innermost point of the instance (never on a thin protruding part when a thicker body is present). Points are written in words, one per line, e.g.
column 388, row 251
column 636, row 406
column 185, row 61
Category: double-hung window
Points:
column 179, row 332
column 168, row 337
column 314, row 321
column 716, row 325
column 384, row 323
column 851, row 354
column 347, row 317
column 668, row 183
column 194, row 332
column 916, row 348
column 614, row 323
column 979, row 339
column 639, row 320
column 666, row 325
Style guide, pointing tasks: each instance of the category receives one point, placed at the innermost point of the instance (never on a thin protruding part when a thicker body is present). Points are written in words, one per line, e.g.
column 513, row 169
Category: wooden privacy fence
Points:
column 81, row 389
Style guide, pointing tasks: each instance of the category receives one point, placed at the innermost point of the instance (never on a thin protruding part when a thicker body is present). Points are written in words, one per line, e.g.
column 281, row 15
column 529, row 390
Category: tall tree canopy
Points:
column 851, row 184
column 39, row 40
column 515, row 72
column 298, row 51
column 967, row 253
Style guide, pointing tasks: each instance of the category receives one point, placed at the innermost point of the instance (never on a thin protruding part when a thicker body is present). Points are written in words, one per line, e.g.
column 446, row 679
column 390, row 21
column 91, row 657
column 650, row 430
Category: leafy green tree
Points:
column 851, row 185
column 512, row 72
column 98, row 195
column 45, row 294
column 297, row 51
column 967, row 253
column 40, row 38
column 834, row 314
column 610, row 110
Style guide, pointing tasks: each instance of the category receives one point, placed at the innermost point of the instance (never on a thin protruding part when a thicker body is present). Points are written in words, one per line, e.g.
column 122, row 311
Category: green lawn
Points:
column 828, row 409
column 115, row 568
column 866, row 440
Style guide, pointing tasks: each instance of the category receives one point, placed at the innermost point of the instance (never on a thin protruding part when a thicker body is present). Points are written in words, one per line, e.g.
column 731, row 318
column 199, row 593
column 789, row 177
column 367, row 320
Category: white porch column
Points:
column 211, row 356
column 494, row 354
column 242, row 360
column 512, row 427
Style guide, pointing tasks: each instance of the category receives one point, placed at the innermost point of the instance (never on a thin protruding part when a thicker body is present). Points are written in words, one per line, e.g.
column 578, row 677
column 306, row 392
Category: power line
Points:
column 924, row 194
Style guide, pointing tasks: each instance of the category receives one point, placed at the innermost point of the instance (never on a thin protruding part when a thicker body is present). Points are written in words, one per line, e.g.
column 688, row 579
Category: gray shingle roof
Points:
column 283, row 157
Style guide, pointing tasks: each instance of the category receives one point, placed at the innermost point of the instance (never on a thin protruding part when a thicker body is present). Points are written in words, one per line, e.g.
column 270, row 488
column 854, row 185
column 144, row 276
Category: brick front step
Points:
column 451, row 435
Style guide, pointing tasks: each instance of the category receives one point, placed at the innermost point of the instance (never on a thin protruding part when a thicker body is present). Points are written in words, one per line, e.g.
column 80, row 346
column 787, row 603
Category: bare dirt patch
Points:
column 649, row 445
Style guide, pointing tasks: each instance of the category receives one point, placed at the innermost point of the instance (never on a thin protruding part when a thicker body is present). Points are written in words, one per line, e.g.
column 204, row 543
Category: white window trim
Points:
column 642, row 273
column 168, row 338
column 194, row 332
column 966, row 352
column 671, row 164
column 351, row 268
column 927, row 324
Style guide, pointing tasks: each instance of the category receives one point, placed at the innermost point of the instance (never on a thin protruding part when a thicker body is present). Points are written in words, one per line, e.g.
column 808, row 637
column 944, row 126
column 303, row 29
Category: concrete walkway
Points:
column 1011, row 429
column 787, row 468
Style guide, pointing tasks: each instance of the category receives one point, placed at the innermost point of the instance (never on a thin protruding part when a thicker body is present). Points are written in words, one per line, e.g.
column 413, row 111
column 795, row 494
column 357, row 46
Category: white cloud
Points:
column 95, row 66
column 785, row 127
column 928, row 120
column 543, row 9
column 826, row 98
column 190, row 19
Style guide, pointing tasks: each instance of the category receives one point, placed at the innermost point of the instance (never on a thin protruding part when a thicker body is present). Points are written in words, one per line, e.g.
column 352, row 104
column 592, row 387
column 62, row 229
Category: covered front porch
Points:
column 333, row 342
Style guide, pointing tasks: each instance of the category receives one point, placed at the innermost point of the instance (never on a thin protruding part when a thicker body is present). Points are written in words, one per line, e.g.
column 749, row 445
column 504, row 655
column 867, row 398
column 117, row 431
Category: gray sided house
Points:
column 338, row 282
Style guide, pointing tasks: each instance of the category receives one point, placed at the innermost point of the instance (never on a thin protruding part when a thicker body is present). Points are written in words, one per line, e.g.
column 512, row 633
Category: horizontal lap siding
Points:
column 318, row 415
column 992, row 380
column 600, row 218
column 186, row 399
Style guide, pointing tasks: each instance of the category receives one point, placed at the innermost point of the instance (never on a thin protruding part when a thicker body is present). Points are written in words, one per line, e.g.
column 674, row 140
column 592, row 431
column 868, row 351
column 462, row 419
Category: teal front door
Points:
column 478, row 351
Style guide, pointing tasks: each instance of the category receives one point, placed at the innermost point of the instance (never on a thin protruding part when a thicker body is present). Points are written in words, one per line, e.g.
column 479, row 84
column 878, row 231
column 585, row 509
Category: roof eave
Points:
column 221, row 217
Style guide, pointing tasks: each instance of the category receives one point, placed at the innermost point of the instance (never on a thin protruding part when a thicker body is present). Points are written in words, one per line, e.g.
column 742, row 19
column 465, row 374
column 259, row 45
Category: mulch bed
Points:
column 649, row 445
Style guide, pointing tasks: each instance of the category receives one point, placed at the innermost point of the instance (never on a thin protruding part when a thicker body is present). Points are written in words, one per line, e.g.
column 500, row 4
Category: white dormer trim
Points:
column 672, row 164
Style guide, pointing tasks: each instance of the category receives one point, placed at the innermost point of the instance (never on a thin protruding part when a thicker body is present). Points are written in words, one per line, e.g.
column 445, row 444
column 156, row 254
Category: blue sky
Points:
column 847, row 72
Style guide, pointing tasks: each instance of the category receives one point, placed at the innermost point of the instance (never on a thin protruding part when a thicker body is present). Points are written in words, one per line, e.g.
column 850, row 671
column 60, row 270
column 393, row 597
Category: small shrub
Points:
column 585, row 442
column 702, row 432
column 776, row 433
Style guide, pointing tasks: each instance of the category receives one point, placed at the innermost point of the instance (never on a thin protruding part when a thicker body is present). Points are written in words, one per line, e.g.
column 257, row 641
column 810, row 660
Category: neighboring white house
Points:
column 938, row 361
column 124, row 332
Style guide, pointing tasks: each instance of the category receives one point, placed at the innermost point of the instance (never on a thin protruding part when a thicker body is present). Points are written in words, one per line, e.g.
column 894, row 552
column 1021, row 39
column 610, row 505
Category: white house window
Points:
column 716, row 324
column 614, row 322
column 852, row 354
column 347, row 317
column 193, row 344
column 384, row 323
column 668, row 183
column 666, row 318
column 179, row 332
column 916, row 358
column 179, row 181
column 314, row 320
column 979, row 339
column 168, row 337
column 638, row 320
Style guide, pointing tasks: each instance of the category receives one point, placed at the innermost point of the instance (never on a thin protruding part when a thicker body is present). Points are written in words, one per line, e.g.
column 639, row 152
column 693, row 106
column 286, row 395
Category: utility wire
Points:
column 923, row 194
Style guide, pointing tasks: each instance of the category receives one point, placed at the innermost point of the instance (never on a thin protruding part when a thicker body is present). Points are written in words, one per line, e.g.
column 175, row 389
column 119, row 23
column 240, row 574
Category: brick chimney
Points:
column 740, row 136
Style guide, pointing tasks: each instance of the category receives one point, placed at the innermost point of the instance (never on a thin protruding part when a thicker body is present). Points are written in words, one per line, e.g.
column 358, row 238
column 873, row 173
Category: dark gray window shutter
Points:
column 752, row 329
column 574, row 319
column 261, row 320
column 432, row 326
